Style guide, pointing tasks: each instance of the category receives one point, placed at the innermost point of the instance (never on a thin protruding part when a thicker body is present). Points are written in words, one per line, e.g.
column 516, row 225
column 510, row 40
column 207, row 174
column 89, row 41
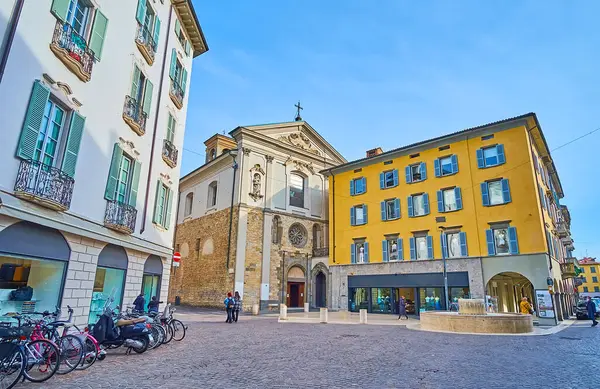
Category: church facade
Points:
column 254, row 219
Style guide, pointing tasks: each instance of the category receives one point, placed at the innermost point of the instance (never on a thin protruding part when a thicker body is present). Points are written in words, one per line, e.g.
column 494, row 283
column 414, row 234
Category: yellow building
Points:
column 485, row 198
column 590, row 269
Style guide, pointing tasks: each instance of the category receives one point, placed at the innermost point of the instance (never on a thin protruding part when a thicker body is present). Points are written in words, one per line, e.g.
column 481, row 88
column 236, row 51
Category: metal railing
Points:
column 145, row 38
column 120, row 216
column 321, row 252
column 76, row 46
column 135, row 111
column 170, row 152
column 176, row 91
column 46, row 183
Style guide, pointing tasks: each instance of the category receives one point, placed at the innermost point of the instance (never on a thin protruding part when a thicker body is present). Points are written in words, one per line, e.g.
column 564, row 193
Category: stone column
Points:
column 240, row 255
column 266, row 260
column 268, row 179
column 244, row 186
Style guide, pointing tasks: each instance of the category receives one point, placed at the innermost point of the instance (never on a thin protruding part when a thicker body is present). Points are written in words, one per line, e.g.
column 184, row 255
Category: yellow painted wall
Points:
column 523, row 212
column 587, row 273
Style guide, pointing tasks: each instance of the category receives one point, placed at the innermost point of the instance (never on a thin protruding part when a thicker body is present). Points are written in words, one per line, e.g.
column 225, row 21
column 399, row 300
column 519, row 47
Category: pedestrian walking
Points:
column 525, row 307
column 139, row 302
column 402, row 308
column 591, row 310
column 237, row 306
column 229, row 303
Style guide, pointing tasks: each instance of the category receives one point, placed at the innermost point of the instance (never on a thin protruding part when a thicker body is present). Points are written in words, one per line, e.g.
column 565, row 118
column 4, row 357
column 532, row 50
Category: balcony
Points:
column 176, row 94
column 567, row 241
column 145, row 43
column 562, row 230
column 45, row 185
column 567, row 269
column 73, row 51
column 169, row 153
column 321, row 252
column 120, row 217
column 134, row 115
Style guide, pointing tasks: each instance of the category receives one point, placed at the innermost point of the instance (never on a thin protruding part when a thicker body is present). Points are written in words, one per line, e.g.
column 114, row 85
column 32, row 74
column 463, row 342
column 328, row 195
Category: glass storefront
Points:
column 150, row 285
column 431, row 299
column 458, row 293
column 28, row 285
column 381, row 299
column 358, row 299
column 108, row 284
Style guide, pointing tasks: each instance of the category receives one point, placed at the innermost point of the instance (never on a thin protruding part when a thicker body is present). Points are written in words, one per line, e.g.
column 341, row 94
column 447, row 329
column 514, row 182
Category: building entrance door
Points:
column 295, row 294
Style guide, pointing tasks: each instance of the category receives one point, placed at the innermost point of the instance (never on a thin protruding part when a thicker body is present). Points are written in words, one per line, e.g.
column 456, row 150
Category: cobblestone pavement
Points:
column 266, row 354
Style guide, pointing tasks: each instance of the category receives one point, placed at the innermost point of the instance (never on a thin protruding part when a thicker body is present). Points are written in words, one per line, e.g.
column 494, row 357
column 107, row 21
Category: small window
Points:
column 449, row 197
column 593, row 269
column 594, row 279
column 414, row 155
column 213, row 154
column 415, row 173
column 585, row 288
column 389, row 180
column 596, row 289
column 495, row 191
column 361, row 252
column 447, row 147
column 392, row 209
column 453, row 244
column 421, row 247
column 297, row 190
column 357, row 170
column 358, row 215
column 189, row 204
column 487, row 137
column 212, row 194
column 388, row 162
column 358, row 186
column 446, row 166
column 490, row 156
column 419, row 205
column 392, row 249
column 501, row 243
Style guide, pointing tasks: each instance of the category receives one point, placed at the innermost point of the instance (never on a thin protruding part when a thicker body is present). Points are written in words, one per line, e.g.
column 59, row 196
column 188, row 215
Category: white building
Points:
column 94, row 99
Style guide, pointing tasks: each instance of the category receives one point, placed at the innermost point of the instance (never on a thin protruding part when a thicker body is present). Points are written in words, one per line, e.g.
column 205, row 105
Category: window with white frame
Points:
column 419, row 205
column 358, row 186
column 360, row 252
column 501, row 243
column 393, row 249
column 453, row 242
column 421, row 247
column 392, row 209
column 212, row 195
column 446, row 166
column 297, row 183
column 449, row 196
column 358, row 215
column 78, row 16
column 495, row 191
column 415, row 172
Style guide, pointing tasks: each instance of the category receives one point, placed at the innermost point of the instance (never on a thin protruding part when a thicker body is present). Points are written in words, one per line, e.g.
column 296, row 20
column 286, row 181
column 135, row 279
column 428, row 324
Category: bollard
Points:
column 323, row 315
column 363, row 316
column 282, row 312
column 306, row 307
column 255, row 310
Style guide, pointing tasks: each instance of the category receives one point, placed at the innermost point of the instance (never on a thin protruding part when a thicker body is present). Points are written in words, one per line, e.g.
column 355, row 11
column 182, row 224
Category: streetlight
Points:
column 445, row 270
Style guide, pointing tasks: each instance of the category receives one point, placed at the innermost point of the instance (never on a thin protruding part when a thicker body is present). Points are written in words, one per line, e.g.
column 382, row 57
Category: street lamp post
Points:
column 445, row 268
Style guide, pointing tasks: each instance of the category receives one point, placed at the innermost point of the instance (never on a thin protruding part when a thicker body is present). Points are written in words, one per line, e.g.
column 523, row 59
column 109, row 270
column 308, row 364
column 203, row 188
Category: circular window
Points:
column 297, row 235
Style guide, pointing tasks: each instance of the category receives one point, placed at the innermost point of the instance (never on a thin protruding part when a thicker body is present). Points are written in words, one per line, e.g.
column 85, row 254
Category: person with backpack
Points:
column 229, row 304
column 139, row 302
column 237, row 306
column 153, row 304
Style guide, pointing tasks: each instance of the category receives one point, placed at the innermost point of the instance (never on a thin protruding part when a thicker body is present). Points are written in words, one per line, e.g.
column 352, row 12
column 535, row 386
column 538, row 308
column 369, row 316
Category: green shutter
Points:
column 177, row 28
column 60, row 8
column 98, row 34
column 171, row 129
column 167, row 220
column 155, row 218
column 188, row 47
column 135, row 82
column 33, row 120
column 141, row 12
column 113, row 173
column 148, row 97
column 184, row 80
column 135, row 181
column 156, row 32
column 173, row 64
column 73, row 142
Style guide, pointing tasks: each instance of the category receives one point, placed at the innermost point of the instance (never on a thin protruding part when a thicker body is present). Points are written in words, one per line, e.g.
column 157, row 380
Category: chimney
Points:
column 374, row 152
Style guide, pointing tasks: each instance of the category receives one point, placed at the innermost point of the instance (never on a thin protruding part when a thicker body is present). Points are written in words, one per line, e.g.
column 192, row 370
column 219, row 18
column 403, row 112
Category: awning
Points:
column 23, row 210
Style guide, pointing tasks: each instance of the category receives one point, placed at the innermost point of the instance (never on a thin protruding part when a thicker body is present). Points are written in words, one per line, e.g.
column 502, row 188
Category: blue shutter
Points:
column 463, row 244
column 408, row 175
column 352, row 216
column 366, row 251
column 384, row 247
column 423, row 169
column 383, row 212
column 352, row 188
column 366, row 213
column 485, row 196
column 395, row 173
column 489, row 237
column 156, row 33
column 429, row 246
column 512, row 240
column 426, row 203
column 501, row 157
column 444, row 242
column 535, row 163
column 363, row 185
column 141, row 12
column 454, row 163
column 436, row 168
column 352, row 253
column 458, row 196
column 173, row 64
column 440, row 201
column 542, row 197
column 397, row 208
column 413, row 252
column 73, row 143
column 480, row 160
column 400, row 250
column 381, row 180
column 410, row 207
column 505, row 191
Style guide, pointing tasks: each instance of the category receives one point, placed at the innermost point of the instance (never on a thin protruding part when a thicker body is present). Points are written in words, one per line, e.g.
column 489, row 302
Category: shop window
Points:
column 358, row 215
column 358, row 186
column 109, row 281
column 459, row 293
column 359, row 252
column 431, row 299
column 381, row 300
column 358, row 299
column 388, row 179
column 502, row 240
column 390, row 209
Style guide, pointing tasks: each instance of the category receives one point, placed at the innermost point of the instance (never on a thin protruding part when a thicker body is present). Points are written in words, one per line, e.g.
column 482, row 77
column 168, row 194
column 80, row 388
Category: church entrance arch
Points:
column 295, row 287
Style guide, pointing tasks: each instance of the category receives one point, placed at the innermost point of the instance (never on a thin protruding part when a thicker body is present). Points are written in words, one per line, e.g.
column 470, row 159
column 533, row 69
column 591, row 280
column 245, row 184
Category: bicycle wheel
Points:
column 71, row 353
column 178, row 330
column 90, row 354
column 12, row 363
column 161, row 335
column 43, row 358
column 154, row 338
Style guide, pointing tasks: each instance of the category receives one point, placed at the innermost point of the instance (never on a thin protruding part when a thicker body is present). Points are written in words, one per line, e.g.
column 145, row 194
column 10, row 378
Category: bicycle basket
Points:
column 15, row 332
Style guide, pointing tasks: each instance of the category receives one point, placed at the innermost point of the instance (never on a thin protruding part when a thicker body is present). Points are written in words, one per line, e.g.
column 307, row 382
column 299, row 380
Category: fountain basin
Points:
column 491, row 323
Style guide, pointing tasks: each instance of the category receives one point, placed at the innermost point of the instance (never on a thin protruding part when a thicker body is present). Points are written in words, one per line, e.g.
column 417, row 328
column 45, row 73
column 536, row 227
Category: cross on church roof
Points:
column 298, row 108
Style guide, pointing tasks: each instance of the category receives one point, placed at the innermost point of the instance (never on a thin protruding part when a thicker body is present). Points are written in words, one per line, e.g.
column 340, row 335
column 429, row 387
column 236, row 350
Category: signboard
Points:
column 545, row 306
column 176, row 259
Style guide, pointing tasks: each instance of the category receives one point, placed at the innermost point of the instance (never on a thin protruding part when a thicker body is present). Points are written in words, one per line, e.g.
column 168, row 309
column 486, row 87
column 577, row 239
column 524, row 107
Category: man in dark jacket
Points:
column 591, row 310
column 139, row 303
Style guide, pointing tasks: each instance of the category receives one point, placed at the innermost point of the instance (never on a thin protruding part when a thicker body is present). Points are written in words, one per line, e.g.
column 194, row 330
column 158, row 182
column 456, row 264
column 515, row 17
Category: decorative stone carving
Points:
column 129, row 146
column 246, row 150
column 269, row 158
column 297, row 235
column 300, row 140
column 299, row 165
column 256, row 173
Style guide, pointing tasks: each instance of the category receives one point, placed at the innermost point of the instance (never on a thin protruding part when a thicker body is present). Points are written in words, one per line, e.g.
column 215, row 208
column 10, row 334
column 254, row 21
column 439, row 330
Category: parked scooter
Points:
column 131, row 333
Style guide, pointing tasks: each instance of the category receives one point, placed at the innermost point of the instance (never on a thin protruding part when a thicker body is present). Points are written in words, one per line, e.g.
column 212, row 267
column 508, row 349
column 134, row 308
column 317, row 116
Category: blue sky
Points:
column 389, row 73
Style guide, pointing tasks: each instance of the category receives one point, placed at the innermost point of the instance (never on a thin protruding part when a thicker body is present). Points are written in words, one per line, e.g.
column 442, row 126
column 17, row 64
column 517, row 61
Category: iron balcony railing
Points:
column 176, row 91
column 145, row 38
column 44, row 184
column 77, row 48
column 170, row 152
column 321, row 252
column 135, row 111
column 120, row 216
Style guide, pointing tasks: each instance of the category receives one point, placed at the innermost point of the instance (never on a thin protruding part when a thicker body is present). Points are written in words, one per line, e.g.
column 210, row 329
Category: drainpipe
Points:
column 160, row 88
column 7, row 45
column 333, row 212
column 235, row 166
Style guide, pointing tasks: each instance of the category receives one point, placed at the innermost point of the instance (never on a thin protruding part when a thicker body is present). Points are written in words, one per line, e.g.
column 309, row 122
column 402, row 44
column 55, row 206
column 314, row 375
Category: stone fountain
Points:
column 472, row 317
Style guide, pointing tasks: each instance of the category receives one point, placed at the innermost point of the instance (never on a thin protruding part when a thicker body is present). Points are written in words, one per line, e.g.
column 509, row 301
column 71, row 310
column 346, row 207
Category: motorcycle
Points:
column 131, row 333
